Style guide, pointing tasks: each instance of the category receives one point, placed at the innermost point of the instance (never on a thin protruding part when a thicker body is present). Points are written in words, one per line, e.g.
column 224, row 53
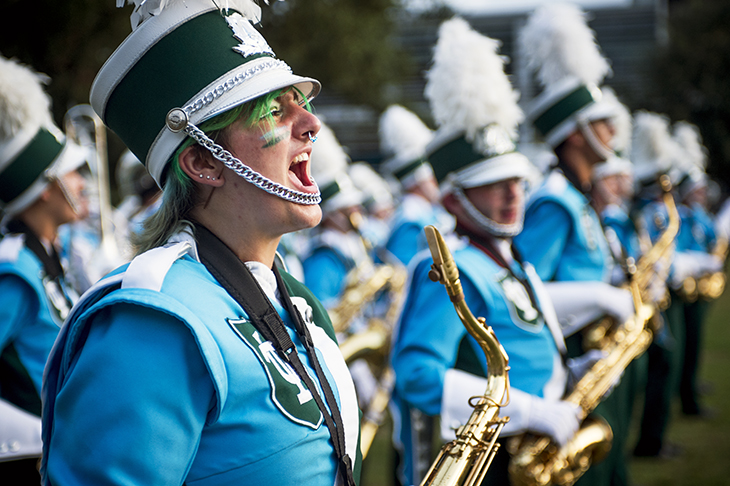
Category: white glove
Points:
column 578, row 366
column 578, row 304
column 20, row 433
column 693, row 264
column 558, row 419
column 657, row 290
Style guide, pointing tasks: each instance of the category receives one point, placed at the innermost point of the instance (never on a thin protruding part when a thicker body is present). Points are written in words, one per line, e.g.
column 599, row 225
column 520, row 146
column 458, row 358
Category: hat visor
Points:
column 271, row 76
column 494, row 169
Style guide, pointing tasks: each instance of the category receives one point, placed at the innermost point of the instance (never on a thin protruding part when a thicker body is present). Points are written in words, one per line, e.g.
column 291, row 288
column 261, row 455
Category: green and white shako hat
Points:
column 329, row 164
column 653, row 151
column 690, row 161
column 192, row 55
column 403, row 140
column 476, row 110
column 558, row 44
column 33, row 150
column 622, row 121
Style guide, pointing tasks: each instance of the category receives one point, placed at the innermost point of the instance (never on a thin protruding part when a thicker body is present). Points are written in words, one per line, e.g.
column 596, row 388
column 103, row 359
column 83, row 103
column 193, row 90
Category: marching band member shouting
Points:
column 200, row 362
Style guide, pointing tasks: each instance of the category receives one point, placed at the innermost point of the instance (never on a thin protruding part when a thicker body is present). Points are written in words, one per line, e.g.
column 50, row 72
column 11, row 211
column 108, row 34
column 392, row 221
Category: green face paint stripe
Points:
column 273, row 137
column 452, row 157
column 203, row 45
column 29, row 165
column 560, row 111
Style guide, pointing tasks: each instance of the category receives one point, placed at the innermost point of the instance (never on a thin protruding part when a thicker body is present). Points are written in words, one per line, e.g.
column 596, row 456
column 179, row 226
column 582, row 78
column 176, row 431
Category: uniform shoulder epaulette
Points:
column 10, row 247
column 555, row 184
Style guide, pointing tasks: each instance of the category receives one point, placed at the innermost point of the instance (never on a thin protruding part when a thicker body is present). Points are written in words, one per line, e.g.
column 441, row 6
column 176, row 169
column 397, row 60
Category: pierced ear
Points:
column 201, row 167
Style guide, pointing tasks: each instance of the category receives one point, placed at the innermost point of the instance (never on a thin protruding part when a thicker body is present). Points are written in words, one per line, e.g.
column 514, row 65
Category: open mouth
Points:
column 299, row 173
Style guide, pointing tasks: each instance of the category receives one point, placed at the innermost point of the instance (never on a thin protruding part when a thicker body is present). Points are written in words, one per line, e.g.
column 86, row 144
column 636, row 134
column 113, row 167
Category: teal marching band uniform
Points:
column 438, row 364
column 40, row 190
column 223, row 387
column 442, row 364
column 199, row 362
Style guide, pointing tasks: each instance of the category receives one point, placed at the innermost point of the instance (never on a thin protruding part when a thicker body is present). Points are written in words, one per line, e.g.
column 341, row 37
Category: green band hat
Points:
column 193, row 56
column 29, row 161
column 491, row 158
column 557, row 112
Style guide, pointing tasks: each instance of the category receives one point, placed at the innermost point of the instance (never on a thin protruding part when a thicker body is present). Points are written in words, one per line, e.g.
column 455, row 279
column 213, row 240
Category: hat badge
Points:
column 494, row 140
column 252, row 42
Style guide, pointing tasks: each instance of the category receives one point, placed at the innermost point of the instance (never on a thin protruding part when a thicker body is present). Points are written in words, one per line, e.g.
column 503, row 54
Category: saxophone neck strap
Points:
column 234, row 276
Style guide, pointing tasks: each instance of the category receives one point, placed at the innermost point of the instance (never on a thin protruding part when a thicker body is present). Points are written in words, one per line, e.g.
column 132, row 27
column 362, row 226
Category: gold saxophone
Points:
column 653, row 264
column 536, row 460
column 465, row 460
column 373, row 344
column 706, row 287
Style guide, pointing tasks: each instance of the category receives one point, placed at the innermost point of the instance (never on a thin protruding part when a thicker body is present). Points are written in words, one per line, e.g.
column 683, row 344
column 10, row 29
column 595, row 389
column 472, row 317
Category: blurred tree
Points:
column 349, row 45
column 689, row 79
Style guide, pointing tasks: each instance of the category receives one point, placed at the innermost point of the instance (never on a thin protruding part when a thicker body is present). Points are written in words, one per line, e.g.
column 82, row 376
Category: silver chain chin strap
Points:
column 496, row 229
column 177, row 120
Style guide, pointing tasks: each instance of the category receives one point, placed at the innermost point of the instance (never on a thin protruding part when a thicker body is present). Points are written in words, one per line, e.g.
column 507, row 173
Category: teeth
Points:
column 300, row 158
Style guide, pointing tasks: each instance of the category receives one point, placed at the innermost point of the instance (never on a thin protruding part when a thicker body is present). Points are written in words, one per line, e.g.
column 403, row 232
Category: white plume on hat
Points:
column 145, row 9
column 652, row 147
column 329, row 163
column 622, row 123
column 24, row 104
column 621, row 120
column 689, row 141
column 403, row 140
column 558, row 44
column 690, row 159
column 375, row 189
column 402, row 133
column 466, row 85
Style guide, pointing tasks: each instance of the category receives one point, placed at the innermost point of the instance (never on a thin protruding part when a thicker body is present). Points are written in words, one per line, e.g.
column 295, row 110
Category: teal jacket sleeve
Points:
column 544, row 237
column 427, row 343
column 134, row 403
column 324, row 275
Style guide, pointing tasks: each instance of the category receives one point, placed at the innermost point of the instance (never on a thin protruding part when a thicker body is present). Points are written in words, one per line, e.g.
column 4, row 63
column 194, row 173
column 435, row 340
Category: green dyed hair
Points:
column 179, row 195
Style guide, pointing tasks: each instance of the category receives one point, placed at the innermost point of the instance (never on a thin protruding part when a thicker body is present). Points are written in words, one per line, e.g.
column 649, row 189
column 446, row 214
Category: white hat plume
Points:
column 145, row 9
column 689, row 140
column 24, row 104
column 557, row 43
column 466, row 85
column 652, row 147
column 402, row 133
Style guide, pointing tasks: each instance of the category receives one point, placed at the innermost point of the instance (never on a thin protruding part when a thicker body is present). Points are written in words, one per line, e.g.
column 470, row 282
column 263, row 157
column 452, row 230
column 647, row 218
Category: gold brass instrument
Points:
column 643, row 272
column 465, row 460
column 710, row 286
column 84, row 126
column 365, row 284
column 373, row 342
column 536, row 460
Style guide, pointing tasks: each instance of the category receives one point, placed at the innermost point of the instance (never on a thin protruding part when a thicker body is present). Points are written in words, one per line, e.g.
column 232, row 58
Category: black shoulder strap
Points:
column 238, row 281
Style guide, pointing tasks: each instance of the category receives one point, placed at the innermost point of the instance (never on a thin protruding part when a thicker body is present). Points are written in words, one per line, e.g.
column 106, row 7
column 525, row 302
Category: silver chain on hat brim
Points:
column 177, row 120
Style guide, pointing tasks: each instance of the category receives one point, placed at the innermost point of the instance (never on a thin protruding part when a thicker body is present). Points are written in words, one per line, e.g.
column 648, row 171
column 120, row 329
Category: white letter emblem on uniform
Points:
column 288, row 391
